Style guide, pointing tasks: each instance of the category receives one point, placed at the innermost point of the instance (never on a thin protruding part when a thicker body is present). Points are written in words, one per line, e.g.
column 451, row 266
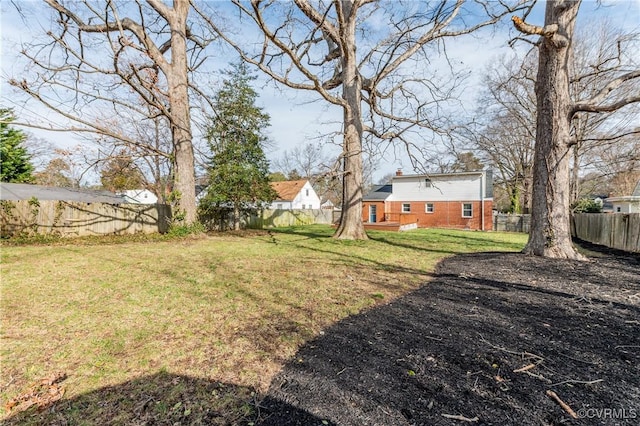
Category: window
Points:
column 427, row 183
column 279, row 206
column 303, row 206
column 307, row 192
column 467, row 210
column 618, row 209
column 406, row 208
column 428, row 208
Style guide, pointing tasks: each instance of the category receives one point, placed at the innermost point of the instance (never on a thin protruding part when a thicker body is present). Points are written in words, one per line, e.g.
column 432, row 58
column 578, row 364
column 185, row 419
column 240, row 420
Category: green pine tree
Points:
column 239, row 170
column 15, row 161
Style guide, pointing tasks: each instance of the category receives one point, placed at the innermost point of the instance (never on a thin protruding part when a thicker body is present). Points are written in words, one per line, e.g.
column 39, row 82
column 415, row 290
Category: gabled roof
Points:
column 288, row 190
column 25, row 191
column 378, row 193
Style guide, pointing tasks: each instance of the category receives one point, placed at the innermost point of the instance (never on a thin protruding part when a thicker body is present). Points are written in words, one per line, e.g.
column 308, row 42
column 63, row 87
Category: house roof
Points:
column 378, row 193
column 435, row 175
column 288, row 190
column 24, row 191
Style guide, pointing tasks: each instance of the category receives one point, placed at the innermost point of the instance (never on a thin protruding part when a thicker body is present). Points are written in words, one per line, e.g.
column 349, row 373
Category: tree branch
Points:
column 595, row 103
column 549, row 32
column 116, row 26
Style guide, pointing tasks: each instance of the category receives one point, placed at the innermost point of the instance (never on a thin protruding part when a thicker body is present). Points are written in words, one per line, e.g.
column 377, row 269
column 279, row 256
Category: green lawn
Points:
column 229, row 308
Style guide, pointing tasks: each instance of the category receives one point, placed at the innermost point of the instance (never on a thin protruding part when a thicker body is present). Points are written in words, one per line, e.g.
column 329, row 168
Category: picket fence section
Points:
column 71, row 219
column 616, row 230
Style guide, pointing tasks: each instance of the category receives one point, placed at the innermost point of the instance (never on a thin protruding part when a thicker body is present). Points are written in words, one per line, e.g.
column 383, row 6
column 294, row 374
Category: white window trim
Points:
column 467, row 204
column 409, row 207
column 426, row 208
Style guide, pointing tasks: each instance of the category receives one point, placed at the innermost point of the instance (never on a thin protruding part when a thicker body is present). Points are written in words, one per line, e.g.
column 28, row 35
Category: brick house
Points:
column 444, row 200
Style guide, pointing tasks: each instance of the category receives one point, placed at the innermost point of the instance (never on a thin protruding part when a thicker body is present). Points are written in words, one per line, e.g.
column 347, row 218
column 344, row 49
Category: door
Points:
column 373, row 216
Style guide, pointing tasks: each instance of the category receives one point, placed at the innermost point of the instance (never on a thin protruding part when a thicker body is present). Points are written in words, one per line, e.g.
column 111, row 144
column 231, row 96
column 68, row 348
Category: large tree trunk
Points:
column 236, row 217
column 550, row 218
column 178, row 83
column 526, row 193
column 351, row 226
column 575, row 174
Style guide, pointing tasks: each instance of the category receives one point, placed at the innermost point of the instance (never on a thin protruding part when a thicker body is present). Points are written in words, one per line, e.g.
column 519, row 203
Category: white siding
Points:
column 311, row 201
column 626, row 206
column 443, row 188
column 140, row 196
column 280, row 205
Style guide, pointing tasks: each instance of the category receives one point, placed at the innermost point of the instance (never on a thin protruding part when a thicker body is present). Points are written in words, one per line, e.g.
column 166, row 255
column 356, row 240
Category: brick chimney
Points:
column 399, row 172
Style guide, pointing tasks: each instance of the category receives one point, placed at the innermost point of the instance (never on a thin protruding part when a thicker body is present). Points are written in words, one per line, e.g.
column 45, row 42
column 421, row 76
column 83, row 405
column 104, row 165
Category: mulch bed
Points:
column 482, row 344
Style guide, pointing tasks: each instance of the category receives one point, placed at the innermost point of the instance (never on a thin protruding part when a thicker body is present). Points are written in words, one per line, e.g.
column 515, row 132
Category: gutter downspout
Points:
column 482, row 188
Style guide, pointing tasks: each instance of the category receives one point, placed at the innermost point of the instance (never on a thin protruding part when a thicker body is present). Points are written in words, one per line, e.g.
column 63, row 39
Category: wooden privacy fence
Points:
column 511, row 222
column 78, row 219
column 616, row 230
column 276, row 218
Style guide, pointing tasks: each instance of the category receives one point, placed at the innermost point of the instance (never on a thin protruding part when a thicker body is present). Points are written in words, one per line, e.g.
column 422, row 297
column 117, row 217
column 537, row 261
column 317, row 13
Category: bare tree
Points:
column 307, row 160
column 151, row 155
column 379, row 76
column 508, row 136
column 550, row 229
column 616, row 167
column 507, row 114
column 108, row 58
column 600, row 53
column 55, row 173
column 66, row 168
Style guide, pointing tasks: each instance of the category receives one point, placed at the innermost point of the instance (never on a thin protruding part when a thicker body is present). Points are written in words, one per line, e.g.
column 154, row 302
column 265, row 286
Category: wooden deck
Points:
column 390, row 226
column 383, row 226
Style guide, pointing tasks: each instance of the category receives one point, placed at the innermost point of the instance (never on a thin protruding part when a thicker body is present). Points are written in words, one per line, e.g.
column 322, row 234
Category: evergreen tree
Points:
column 15, row 160
column 238, row 170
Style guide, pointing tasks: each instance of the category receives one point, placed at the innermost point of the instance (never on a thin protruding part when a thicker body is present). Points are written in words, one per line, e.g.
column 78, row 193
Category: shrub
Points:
column 587, row 205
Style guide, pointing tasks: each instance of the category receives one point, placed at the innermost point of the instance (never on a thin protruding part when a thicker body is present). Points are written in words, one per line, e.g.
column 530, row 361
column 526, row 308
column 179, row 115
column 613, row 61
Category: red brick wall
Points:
column 446, row 214
column 379, row 210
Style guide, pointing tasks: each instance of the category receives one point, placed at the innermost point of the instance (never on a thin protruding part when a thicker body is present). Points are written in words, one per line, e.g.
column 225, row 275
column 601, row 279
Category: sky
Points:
column 297, row 117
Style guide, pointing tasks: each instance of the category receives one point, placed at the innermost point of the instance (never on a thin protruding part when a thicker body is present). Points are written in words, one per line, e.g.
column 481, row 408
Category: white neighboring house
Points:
column 139, row 196
column 294, row 195
column 627, row 203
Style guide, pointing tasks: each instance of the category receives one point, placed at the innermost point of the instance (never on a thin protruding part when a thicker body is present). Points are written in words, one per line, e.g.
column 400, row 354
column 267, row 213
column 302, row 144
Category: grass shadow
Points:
column 596, row 250
column 161, row 399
